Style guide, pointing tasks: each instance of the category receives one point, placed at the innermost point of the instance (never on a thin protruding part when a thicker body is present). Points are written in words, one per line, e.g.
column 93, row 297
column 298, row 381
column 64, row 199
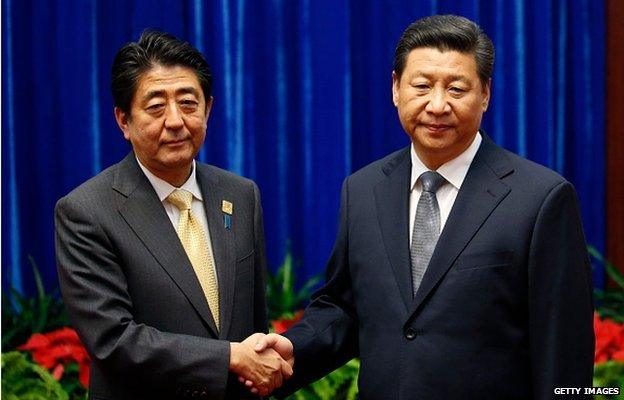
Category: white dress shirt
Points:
column 453, row 171
column 164, row 189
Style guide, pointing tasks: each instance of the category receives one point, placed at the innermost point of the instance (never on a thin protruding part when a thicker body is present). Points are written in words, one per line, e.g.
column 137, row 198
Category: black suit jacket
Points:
column 133, row 296
column 504, row 310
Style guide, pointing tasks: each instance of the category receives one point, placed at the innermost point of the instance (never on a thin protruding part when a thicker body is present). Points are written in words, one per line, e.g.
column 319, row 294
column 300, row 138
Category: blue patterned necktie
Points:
column 426, row 226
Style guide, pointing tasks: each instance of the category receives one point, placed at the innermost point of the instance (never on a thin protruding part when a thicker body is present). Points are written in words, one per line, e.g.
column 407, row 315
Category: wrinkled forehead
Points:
column 160, row 80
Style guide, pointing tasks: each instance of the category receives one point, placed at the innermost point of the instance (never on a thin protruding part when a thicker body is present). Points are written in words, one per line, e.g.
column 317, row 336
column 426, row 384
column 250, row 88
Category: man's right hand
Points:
column 264, row 343
column 263, row 369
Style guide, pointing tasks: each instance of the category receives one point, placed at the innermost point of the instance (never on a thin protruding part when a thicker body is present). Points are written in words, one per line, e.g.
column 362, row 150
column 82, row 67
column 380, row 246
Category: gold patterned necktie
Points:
column 195, row 244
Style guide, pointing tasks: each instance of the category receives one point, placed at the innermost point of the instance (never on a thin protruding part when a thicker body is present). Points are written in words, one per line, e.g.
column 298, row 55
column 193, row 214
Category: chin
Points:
column 434, row 143
column 178, row 161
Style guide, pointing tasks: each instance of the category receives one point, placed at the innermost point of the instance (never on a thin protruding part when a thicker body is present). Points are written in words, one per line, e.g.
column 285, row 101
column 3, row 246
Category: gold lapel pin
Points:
column 227, row 207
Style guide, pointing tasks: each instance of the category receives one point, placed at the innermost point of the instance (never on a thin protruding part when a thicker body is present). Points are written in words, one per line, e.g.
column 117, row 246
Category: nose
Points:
column 438, row 103
column 173, row 118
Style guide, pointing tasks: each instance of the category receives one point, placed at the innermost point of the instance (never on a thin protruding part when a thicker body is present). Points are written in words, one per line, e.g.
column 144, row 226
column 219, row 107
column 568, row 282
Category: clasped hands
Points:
column 262, row 362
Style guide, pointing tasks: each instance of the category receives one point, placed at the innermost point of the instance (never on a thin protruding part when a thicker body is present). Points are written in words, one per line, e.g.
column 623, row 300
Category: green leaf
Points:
column 38, row 281
column 21, row 316
column 283, row 298
column 609, row 374
column 611, row 270
column 339, row 385
column 23, row 379
column 609, row 303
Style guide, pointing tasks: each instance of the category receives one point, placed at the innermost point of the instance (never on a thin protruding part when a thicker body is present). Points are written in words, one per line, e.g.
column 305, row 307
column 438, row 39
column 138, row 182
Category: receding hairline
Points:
column 441, row 50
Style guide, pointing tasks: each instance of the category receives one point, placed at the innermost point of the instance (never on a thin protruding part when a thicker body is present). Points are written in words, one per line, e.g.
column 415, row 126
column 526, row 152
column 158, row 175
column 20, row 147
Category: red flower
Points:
column 281, row 325
column 54, row 350
column 609, row 340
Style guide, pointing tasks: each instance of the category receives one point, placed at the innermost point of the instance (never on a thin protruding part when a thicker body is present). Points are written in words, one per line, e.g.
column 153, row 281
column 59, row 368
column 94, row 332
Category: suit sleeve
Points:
column 95, row 290
column 260, row 302
column 560, row 297
column 326, row 336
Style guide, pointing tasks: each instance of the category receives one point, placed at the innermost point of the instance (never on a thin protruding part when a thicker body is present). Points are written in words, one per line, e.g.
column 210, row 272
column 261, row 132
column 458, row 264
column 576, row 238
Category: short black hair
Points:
column 154, row 48
column 447, row 32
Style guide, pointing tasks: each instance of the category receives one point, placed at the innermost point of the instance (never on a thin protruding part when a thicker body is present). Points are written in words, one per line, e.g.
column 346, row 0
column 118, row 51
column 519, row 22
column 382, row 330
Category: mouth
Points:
column 174, row 143
column 436, row 128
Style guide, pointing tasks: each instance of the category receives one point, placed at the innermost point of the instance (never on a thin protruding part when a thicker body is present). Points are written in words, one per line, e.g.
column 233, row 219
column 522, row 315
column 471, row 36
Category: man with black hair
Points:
column 460, row 270
column 161, row 258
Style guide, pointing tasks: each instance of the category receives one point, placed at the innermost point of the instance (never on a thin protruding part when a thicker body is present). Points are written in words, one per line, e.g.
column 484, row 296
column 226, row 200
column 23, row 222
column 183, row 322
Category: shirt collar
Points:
column 454, row 171
column 164, row 189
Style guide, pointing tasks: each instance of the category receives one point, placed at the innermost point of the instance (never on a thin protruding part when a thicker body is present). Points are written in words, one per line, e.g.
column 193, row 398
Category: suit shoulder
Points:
column 534, row 173
column 227, row 179
column 92, row 188
column 381, row 167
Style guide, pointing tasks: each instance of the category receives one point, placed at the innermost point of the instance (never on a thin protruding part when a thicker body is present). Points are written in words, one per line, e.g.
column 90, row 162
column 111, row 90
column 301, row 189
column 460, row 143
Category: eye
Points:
column 456, row 89
column 421, row 88
column 189, row 104
column 155, row 107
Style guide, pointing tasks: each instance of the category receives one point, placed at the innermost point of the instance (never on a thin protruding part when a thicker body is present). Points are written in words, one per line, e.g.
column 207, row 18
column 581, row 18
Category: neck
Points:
column 174, row 176
column 434, row 159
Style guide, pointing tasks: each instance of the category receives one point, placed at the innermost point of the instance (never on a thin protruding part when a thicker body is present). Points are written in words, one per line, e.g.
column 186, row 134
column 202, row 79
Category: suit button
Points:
column 410, row 334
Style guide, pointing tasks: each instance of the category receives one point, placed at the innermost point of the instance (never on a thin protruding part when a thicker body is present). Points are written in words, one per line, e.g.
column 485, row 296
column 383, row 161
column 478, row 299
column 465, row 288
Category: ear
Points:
column 487, row 90
column 122, row 121
column 209, row 103
column 395, row 89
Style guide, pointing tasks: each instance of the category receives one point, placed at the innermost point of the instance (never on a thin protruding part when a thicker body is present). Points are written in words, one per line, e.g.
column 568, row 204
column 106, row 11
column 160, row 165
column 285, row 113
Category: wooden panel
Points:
column 615, row 132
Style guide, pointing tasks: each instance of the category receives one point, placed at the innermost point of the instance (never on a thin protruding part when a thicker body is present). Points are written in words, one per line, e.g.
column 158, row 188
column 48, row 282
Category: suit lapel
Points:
column 392, row 201
column 222, row 241
column 147, row 217
column 480, row 194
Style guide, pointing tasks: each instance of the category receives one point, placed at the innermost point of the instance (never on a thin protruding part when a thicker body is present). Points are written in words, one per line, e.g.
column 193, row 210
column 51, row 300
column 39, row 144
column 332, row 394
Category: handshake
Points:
column 262, row 362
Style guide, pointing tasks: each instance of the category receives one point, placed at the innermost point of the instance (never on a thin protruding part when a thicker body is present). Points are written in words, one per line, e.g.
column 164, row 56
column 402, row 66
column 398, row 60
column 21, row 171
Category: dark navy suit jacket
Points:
column 504, row 310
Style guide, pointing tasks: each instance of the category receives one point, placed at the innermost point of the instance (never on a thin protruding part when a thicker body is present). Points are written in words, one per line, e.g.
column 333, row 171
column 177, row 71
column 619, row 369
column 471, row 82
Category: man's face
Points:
column 440, row 100
column 167, row 121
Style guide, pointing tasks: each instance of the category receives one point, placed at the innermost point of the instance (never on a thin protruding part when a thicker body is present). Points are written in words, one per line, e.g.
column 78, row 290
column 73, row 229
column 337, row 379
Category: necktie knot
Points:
column 431, row 181
column 181, row 198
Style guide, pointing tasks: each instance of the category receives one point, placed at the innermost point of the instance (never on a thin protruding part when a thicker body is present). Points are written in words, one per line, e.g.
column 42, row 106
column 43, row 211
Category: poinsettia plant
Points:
column 286, row 304
column 58, row 350
column 609, row 328
column 48, row 349
column 283, row 298
column 609, row 340
column 52, row 363
column 610, row 301
column 281, row 325
column 22, row 316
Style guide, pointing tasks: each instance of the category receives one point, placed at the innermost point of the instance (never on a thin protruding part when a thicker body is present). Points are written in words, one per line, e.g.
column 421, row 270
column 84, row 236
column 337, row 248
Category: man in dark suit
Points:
column 161, row 258
column 460, row 269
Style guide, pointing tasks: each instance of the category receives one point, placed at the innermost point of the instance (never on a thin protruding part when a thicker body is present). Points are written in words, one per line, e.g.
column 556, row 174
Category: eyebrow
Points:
column 453, row 78
column 161, row 93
